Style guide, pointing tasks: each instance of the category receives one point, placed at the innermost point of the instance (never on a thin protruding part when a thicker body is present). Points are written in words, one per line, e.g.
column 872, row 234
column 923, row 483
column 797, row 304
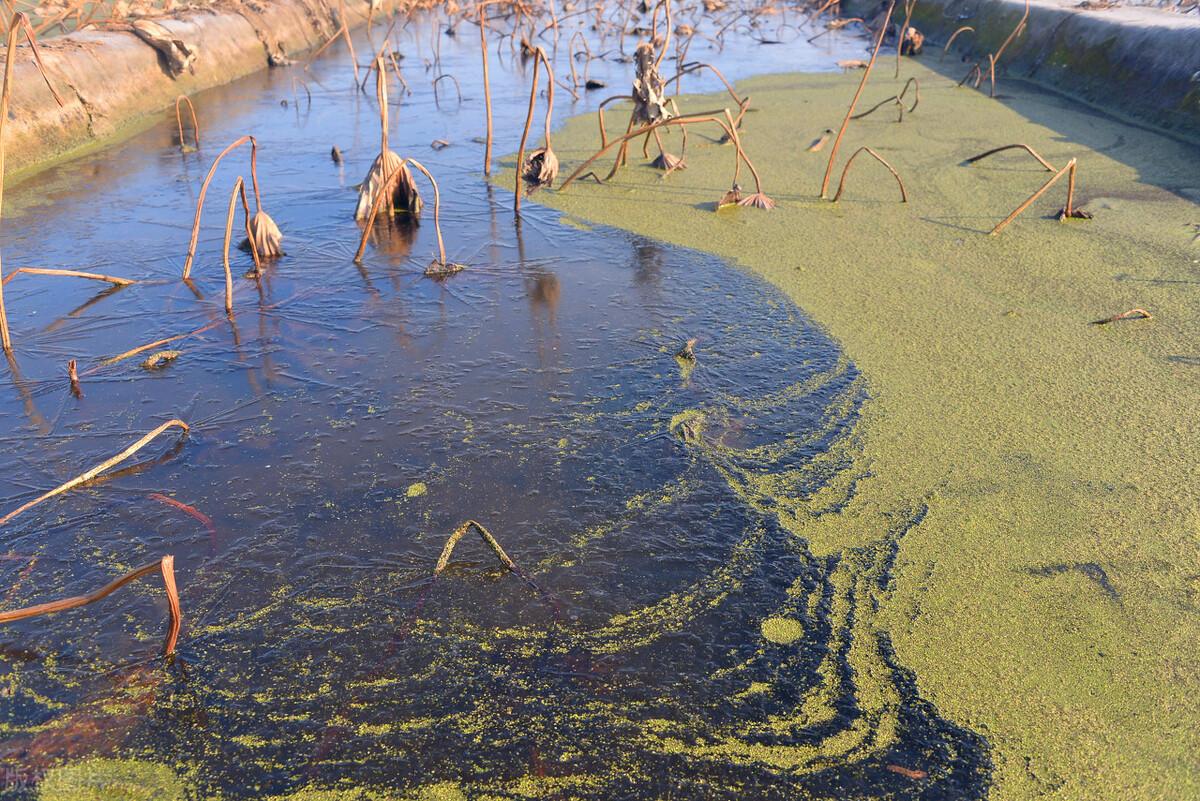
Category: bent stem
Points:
column 195, row 123
column 98, row 469
column 846, row 170
column 238, row 186
column 165, row 567
column 484, row 534
column 1049, row 167
column 525, row 135
column 437, row 207
column 191, row 254
column 1068, row 169
column 854, row 101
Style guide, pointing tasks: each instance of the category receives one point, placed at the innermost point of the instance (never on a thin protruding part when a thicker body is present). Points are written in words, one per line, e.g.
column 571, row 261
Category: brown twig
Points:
column 909, row 6
column 845, row 170
column 487, row 90
column 854, row 101
column 97, row 470
column 165, row 566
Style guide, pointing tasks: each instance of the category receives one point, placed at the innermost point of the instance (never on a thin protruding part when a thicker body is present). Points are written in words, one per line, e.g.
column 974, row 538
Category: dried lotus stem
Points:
column 484, row 534
column 437, row 208
column 120, row 357
column 953, row 36
column 1132, row 314
column 108, row 279
column 837, row 141
column 73, row 377
column 487, row 90
column 238, row 186
column 897, row 99
column 436, row 98
column 1069, row 168
column 909, row 5
column 1049, row 167
column 191, row 254
column 18, row 24
column 525, row 135
column 183, row 148
column 165, row 566
column 98, row 469
column 881, row 160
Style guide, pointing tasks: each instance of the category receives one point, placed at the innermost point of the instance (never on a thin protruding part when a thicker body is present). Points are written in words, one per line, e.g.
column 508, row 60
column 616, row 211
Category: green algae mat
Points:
column 1049, row 599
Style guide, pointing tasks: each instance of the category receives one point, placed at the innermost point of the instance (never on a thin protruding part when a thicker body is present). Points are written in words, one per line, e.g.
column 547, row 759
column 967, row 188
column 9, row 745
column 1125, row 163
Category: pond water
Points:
column 665, row 636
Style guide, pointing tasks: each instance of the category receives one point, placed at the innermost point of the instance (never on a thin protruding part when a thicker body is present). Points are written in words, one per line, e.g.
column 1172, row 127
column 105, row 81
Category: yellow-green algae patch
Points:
column 111, row 780
column 782, row 630
column 416, row 490
column 1042, row 444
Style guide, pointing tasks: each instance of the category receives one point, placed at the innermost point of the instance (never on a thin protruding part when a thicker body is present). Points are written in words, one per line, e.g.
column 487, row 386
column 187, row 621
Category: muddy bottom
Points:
column 663, row 635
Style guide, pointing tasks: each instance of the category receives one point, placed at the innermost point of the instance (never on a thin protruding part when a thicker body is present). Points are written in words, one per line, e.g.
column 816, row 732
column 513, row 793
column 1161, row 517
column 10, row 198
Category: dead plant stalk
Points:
column 165, row 567
column 837, row 141
column 88, row 475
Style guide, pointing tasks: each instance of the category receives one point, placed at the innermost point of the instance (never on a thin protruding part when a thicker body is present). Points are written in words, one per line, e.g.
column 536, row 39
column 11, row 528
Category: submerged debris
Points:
column 335, row 155
column 687, row 352
column 160, row 359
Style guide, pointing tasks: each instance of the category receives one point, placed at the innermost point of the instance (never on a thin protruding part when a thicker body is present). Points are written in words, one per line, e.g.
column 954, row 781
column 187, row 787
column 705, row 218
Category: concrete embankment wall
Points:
column 1139, row 62
column 113, row 83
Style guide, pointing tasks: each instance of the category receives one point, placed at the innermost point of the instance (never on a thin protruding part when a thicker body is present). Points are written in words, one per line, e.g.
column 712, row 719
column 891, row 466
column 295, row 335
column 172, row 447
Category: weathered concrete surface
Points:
column 112, row 82
column 1139, row 62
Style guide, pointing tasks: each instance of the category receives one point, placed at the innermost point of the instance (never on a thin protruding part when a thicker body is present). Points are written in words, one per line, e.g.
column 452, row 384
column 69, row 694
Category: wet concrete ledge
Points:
column 1138, row 62
column 114, row 84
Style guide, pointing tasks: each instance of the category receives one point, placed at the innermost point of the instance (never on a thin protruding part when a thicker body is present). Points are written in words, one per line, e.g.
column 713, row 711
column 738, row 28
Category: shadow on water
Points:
column 673, row 640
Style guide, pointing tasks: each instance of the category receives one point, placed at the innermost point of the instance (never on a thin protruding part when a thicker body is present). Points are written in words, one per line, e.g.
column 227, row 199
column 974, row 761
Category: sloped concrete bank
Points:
column 113, row 83
column 1138, row 62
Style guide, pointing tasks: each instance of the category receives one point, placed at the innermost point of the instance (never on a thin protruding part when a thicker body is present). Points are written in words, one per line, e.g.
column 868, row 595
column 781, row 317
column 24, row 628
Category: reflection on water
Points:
column 673, row 638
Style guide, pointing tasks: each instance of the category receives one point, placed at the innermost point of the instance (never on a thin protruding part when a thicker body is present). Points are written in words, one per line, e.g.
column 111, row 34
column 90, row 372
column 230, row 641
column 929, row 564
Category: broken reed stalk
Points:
column 837, row 141
column 191, row 254
column 487, row 90
column 525, row 136
column 195, row 124
column 1069, row 170
column 108, row 279
column 846, row 170
column 18, row 24
column 98, row 469
column 165, row 567
column 1049, row 167
column 484, row 534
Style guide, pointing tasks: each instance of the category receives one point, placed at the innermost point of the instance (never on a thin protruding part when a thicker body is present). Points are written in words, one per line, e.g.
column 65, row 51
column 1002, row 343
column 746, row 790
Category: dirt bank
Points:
column 114, row 83
column 1140, row 62
column 1049, row 600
